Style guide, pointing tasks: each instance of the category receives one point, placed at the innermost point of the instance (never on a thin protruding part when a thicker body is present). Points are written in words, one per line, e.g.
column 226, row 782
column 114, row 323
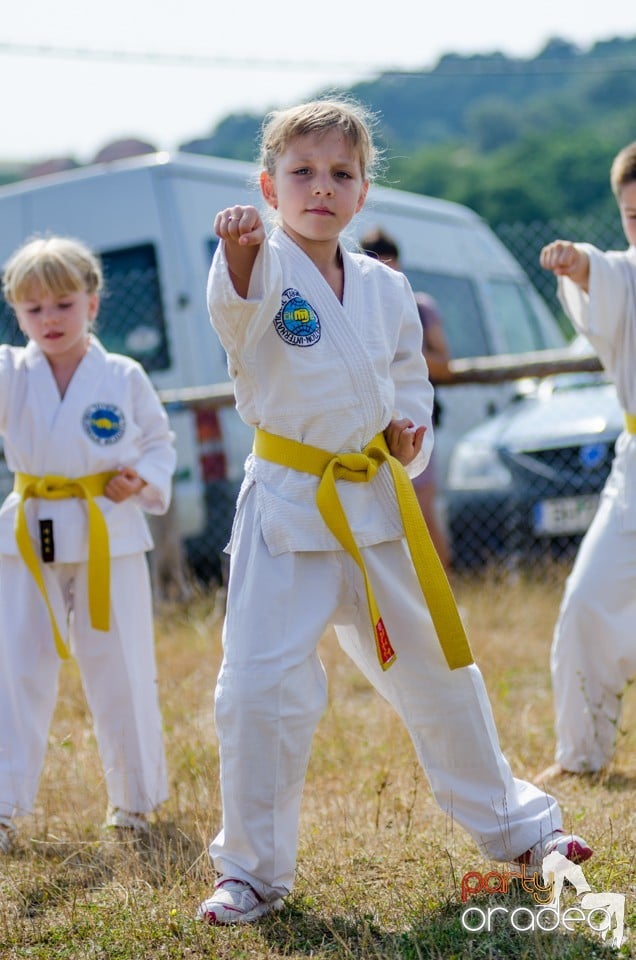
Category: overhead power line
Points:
column 180, row 59
column 496, row 64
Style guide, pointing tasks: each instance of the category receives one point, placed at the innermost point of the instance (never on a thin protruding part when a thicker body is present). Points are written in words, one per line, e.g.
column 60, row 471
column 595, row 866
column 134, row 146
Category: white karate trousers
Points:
column 594, row 648
column 271, row 692
column 118, row 673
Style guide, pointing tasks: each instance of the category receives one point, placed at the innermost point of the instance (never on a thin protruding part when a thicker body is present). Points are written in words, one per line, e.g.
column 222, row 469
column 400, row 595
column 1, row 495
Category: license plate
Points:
column 565, row 515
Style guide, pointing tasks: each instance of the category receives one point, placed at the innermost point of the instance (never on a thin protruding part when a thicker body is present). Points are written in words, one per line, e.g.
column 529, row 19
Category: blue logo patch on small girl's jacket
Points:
column 104, row 423
column 297, row 322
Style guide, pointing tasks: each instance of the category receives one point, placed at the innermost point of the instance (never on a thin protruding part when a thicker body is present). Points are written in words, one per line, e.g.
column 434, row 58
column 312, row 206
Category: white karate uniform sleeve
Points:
column 157, row 457
column 607, row 314
column 607, row 317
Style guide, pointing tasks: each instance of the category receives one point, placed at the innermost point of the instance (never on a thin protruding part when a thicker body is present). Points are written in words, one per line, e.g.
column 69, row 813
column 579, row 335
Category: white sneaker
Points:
column 8, row 833
column 118, row 819
column 568, row 844
column 234, row 901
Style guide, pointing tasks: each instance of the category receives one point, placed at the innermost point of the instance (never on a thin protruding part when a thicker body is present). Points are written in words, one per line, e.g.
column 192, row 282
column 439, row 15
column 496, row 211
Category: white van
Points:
column 488, row 305
column 151, row 220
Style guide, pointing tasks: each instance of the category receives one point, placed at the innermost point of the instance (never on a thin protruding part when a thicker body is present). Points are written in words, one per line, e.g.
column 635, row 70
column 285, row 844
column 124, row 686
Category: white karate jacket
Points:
column 607, row 317
column 330, row 374
column 110, row 417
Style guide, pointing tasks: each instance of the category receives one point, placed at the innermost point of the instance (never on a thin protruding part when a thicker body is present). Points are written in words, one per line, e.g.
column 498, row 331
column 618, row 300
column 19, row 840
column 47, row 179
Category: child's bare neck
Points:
column 334, row 275
column 63, row 374
column 328, row 260
column 63, row 370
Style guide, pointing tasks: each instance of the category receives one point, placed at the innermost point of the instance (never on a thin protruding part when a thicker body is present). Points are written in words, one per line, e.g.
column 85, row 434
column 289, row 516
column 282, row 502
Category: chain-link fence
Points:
column 523, row 485
column 525, row 241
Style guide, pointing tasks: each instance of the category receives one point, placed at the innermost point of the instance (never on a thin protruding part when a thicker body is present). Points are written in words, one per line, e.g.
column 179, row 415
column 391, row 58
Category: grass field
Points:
column 380, row 867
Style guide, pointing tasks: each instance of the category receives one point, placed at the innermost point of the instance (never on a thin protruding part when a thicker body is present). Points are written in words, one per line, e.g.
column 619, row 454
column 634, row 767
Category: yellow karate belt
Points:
column 61, row 488
column 361, row 468
column 630, row 422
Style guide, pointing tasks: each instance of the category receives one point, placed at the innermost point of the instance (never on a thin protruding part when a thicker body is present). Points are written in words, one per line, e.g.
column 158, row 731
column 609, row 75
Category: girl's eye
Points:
column 302, row 171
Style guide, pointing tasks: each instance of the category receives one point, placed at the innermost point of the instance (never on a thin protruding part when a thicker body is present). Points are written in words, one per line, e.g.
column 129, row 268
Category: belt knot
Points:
column 361, row 468
column 52, row 487
column 355, row 467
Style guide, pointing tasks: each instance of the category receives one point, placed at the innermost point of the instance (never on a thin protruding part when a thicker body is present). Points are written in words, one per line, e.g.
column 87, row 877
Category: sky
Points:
column 76, row 74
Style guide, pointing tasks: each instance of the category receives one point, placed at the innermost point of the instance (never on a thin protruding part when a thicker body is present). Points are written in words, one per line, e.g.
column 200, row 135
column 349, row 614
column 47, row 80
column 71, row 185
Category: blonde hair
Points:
column 53, row 265
column 347, row 116
column 623, row 169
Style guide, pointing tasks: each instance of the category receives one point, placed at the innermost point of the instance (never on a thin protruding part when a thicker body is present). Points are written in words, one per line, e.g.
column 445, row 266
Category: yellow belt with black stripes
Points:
column 361, row 468
column 61, row 488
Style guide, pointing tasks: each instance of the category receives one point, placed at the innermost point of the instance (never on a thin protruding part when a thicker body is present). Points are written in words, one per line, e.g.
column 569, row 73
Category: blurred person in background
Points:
column 378, row 244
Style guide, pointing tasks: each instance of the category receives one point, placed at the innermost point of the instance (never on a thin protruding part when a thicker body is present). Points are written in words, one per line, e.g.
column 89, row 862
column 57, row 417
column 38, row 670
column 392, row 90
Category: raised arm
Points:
column 566, row 259
column 242, row 232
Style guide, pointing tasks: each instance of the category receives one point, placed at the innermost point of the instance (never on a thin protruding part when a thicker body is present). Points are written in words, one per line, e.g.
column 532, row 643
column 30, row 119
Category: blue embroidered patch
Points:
column 297, row 322
column 104, row 423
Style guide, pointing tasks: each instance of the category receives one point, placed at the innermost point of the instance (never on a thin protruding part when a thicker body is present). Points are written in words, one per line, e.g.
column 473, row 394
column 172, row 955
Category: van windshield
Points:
column 522, row 322
column 459, row 307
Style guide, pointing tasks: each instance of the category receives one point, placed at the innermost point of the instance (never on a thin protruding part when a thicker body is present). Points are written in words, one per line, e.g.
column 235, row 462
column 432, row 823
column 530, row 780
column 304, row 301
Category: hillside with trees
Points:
column 518, row 140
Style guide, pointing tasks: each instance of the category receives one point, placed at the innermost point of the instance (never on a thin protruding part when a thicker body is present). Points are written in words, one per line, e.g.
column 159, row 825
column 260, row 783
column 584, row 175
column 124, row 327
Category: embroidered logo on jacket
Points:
column 104, row 423
column 297, row 322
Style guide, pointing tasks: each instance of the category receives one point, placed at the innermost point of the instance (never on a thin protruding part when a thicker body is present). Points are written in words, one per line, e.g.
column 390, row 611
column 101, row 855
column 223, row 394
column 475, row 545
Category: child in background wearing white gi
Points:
column 90, row 447
column 324, row 347
column 594, row 646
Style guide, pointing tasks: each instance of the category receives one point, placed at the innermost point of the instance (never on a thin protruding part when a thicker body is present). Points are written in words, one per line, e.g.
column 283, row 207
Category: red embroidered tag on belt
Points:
column 386, row 651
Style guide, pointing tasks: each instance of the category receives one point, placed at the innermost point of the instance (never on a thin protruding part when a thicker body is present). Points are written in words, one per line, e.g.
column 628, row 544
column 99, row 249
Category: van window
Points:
column 9, row 330
column 516, row 324
column 460, row 310
column 131, row 318
column 519, row 326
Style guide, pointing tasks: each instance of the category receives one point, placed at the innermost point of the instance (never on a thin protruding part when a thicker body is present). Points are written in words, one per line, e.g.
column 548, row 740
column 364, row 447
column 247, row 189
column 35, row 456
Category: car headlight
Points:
column 477, row 467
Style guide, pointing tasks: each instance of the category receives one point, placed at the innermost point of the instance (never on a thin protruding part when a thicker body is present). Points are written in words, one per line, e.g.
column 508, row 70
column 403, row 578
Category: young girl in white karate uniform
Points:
column 324, row 347
column 90, row 447
column 594, row 646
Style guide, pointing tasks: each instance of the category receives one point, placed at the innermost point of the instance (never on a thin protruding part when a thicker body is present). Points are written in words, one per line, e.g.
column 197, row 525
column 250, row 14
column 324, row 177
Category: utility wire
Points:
column 180, row 59
column 449, row 65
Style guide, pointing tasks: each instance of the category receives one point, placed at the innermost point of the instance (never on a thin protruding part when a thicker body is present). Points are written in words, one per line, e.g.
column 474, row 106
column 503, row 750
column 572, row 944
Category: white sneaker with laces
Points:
column 118, row 819
column 234, row 901
column 568, row 844
column 8, row 834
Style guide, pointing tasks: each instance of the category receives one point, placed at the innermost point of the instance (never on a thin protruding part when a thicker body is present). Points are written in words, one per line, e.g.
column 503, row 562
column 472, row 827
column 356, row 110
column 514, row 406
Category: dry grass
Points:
column 379, row 867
